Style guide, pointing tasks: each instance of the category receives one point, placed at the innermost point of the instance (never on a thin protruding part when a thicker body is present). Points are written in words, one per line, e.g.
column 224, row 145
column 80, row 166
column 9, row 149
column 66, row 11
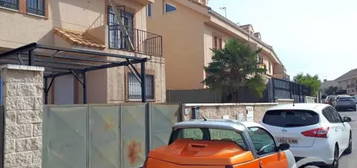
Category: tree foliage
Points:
column 313, row 82
column 235, row 67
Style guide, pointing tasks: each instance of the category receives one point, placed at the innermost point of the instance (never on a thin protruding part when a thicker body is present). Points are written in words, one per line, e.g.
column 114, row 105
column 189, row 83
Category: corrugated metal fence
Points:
column 104, row 136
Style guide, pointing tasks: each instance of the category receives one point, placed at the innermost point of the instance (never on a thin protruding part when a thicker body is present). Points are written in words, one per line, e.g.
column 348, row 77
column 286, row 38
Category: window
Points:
column 332, row 115
column 290, row 118
column 149, row 9
column 134, row 87
column 217, row 43
column 345, row 99
column 209, row 134
column 192, row 133
column 36, row 7
column 226, row 135
column 12, row 4
column 260, row 59
column 119, row 39
column 263, row 142
column 220, row 43
column 169, row 8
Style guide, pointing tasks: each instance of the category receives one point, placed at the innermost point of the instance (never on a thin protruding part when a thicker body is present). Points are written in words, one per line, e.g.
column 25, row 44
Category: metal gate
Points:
column 110, row 136
column 282, row 89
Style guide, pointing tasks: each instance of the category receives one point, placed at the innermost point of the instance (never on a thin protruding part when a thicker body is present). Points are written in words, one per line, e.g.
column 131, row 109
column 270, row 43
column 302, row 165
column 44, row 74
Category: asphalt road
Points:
column 350, row 161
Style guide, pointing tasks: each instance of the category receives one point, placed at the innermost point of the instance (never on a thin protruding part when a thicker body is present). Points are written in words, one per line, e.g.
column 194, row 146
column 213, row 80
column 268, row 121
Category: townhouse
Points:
column 88, row 25
column 348, row 82
column 190, row 29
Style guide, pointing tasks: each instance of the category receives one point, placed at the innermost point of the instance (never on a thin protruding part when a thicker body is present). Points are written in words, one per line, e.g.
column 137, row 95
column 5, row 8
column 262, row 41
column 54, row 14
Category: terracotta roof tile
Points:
column 78, row 38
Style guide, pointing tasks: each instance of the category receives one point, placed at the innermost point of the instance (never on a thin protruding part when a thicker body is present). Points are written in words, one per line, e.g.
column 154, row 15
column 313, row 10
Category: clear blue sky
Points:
column 309, row 36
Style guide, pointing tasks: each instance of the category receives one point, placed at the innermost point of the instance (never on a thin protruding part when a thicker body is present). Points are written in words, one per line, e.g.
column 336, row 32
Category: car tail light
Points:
column 318, row 132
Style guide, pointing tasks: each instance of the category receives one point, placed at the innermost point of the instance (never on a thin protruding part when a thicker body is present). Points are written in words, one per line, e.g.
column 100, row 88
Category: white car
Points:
column 316, row 132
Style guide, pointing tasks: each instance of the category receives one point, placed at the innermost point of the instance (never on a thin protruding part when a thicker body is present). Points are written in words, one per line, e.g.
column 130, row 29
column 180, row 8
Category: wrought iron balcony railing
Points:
column 143, row 42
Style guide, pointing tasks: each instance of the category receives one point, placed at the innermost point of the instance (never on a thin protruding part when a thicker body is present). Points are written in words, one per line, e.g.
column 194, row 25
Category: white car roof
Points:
column 301, row 106
column 218, row 124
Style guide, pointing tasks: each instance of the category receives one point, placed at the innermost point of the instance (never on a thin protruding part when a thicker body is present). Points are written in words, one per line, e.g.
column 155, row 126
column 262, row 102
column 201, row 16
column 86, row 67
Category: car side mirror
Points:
column 284, row 146
column 347, row 119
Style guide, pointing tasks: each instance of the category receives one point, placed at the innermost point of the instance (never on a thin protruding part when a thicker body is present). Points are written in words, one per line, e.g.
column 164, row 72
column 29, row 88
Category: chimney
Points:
column 248, row 28
column 258, row 35
column 203, row 2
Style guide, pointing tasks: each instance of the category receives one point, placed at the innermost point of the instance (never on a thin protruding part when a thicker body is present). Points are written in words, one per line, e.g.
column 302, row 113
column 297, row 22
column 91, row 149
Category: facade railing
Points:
column 143, row 42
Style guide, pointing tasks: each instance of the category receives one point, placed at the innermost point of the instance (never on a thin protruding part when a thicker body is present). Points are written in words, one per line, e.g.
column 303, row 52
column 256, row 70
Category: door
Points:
column 64, row 90
column 266, row 149
column 342, row 130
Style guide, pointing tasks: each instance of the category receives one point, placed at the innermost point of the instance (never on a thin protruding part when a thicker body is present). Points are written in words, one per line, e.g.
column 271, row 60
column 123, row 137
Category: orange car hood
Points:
column 193, row 152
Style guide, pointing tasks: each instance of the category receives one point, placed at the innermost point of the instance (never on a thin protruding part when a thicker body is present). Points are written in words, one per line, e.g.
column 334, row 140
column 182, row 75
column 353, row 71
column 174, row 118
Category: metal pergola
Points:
column 59, row 61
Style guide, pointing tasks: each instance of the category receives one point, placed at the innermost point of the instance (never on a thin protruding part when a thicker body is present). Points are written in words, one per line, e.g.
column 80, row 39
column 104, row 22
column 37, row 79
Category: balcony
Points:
column 143, row 42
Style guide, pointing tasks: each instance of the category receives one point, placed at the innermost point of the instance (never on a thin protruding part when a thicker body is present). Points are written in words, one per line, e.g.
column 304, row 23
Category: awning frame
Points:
column 69, row 61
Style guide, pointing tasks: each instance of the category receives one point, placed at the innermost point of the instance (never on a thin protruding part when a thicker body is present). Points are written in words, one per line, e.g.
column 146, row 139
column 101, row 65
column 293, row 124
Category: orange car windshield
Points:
column 209, row 134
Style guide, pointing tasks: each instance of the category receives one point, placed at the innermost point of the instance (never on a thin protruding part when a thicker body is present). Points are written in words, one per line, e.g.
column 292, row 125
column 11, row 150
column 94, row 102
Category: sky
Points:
column 309, row 36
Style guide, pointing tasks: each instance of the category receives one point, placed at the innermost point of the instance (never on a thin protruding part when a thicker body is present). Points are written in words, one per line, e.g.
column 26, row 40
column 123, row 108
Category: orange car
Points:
column 220, row 144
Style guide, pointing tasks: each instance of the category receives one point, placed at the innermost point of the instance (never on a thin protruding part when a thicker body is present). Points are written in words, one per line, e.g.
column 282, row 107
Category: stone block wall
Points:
column 284, row 101
column 23, row 107
column 235, row 111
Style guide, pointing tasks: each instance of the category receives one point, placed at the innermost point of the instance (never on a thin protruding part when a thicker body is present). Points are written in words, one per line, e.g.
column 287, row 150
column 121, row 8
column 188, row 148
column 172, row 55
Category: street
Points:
column 348, row 161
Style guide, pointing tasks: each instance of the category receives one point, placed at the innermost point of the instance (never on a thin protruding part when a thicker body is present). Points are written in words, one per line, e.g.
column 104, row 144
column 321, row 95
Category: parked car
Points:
column 314, row 131
column 220, row 144
column 330, row 100
column 355, row 99
column 345, row 103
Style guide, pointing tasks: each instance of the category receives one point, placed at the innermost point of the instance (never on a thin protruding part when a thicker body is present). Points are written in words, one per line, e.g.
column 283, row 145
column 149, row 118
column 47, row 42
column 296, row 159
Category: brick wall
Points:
column 22, row 100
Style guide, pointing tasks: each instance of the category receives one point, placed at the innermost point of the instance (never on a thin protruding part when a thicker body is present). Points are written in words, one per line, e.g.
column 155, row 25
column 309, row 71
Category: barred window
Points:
column 36, row 7
column 118, row 38
column 134, row 87
column 12, row 4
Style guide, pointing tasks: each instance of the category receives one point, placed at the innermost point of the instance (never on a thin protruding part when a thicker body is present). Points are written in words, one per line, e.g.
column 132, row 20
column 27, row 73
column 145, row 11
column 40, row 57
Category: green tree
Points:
column 313, row 82
column 233, row 68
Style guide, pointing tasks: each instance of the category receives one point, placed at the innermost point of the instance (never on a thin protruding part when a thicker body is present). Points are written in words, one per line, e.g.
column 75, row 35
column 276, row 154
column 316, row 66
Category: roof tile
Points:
column 78, row 38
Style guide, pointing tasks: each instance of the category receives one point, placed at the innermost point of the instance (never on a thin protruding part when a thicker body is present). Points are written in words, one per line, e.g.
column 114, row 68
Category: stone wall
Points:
column 285, row 101
column 237, row 111
column 23, row 102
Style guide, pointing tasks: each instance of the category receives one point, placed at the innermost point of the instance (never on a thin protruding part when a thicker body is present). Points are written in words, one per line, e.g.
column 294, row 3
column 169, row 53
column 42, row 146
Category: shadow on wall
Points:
column 57, row 9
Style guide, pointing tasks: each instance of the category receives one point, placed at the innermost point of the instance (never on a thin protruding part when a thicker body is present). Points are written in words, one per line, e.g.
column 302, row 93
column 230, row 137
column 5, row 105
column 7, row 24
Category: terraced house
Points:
column 80, row 34
column 190, row 29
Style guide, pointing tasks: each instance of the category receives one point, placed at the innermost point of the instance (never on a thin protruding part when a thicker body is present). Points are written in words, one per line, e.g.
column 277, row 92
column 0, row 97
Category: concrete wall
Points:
column 236, row 111
column 183, row 42
column 90, row 16
column 117, row 78
column 188, row 35
column 19, row 28
column 23, row 101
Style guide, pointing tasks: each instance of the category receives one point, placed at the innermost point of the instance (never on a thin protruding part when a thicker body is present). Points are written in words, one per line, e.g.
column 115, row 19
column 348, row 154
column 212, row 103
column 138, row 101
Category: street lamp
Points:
column 225, row 10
